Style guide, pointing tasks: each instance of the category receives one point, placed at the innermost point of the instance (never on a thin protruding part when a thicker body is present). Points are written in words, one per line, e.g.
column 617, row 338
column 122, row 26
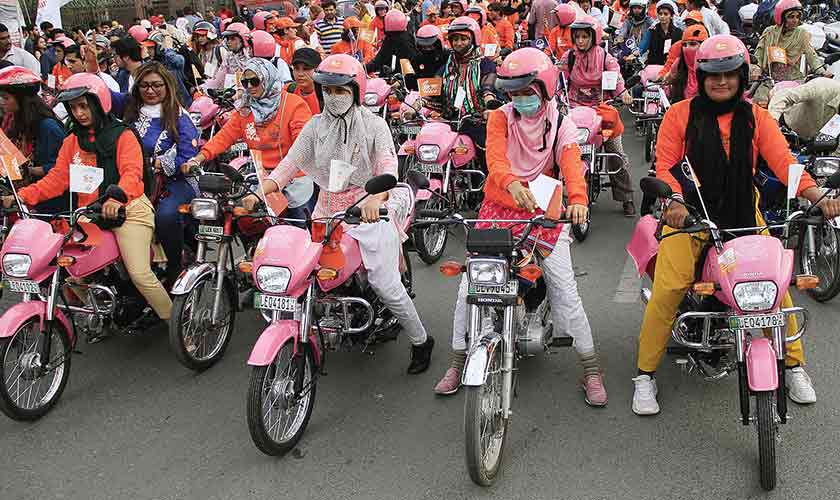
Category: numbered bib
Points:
column 667, row 47
column 777, row 55
column 609, row 80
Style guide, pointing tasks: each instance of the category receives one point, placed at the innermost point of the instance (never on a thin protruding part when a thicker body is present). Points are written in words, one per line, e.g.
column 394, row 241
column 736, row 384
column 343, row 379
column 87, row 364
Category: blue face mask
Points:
column 527, row 105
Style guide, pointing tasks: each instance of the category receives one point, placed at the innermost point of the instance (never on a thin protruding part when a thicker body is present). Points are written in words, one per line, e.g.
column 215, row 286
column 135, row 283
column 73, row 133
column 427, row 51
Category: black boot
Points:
column 421, row 356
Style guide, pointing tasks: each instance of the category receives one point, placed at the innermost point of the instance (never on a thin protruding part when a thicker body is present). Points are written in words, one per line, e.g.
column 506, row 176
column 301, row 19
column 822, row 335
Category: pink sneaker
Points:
column 596, row 394
column 450, row 383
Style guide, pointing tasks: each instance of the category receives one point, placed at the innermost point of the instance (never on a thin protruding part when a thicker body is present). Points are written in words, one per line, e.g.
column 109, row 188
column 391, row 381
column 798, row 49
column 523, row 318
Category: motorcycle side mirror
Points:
column 115, row 192
column 633, row 81
column 833, row 182
column 417, row 179
column 656, row 188
column 824, row 144
column 380, row 184
column 832, row 58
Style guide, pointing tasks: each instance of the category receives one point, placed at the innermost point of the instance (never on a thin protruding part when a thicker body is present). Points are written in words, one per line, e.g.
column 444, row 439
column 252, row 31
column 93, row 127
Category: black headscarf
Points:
column 725, row 182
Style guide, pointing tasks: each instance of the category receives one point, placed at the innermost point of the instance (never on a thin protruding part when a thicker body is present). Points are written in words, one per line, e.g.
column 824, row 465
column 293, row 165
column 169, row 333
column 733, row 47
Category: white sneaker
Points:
column 799, row 387
column 644, row 398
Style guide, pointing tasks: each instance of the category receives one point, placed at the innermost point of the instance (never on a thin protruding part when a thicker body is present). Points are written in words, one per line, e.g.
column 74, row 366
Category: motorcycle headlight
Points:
column 273, row 279
column 826, row 167
column 371, row 99
column 204, row 209
column 493, row 272
column 195, row 116
column 428, row 152
column 582, row 135
column 755, row 295
column 16, row 265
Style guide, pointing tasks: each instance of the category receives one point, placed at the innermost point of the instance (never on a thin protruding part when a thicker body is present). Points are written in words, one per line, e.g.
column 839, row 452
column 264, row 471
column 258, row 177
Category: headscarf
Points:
column 266, row 106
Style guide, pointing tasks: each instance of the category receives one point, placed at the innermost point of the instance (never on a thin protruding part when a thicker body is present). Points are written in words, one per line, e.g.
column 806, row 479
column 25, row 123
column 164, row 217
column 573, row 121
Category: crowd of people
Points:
column 116, row 97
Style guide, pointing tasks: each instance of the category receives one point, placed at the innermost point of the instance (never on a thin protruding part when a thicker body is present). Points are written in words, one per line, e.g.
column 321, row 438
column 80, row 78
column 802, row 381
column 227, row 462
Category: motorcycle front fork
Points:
column 743, row 387
column 508, row 355
column 49, row 319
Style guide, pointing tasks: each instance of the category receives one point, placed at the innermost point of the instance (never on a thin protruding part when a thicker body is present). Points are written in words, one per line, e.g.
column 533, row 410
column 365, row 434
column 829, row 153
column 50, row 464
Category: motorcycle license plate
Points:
column 586, row 149
column 211, row 230
column 429, row 168
column 511, row 288
column 275, row 303
column 239, row 147
column 23, row 286
column 652, row 94
column 411, row 129
column 756, row 321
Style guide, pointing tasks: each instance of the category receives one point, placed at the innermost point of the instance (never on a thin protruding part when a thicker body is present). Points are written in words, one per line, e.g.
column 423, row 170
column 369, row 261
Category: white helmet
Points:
column 667, row 3
column 638, row 3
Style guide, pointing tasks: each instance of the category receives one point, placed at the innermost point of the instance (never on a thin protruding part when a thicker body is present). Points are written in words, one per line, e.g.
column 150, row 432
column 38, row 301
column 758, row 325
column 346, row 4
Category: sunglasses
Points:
column 250, row 82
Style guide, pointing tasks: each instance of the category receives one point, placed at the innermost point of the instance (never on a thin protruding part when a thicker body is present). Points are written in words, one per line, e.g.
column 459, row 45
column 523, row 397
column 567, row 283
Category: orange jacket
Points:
column 559, row 41
column 767, row 140
column 363, row 46
column 618, row 9
column 489, row 35
column 505, row 31
column 500, row 175
column 273, row 139
column 673, row 55
column 57, row 181
column 378, row 25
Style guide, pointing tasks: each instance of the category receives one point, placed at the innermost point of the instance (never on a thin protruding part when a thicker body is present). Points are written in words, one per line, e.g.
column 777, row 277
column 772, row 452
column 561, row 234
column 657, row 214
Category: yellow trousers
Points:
column 134, row 238
column 675, row 273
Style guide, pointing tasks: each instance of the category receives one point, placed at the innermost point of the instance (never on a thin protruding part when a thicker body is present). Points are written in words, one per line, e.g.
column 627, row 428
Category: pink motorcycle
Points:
column 74, row 268
column 720, row 324
column 314, row 291
column 456, row 180
column 209, row 113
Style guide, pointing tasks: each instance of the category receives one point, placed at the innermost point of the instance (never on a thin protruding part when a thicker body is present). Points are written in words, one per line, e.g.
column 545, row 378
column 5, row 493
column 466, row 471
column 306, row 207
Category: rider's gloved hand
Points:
column 675, row 215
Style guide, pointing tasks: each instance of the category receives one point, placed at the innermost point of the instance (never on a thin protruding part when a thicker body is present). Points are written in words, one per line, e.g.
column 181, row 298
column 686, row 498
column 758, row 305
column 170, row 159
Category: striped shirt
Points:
column 329, row 33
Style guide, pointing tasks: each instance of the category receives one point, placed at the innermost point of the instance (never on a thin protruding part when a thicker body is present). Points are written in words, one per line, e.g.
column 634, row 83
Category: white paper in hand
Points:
column 663, row 98
column 794, row 175
column 230, row 80
column 490, row 50
column 459, row 97
column 84, row 178
column 543, row 188
column 340, row 172
column 832, row 127
column 609, row 80
column 666, row 47
column 51, row 81
column 313, row 40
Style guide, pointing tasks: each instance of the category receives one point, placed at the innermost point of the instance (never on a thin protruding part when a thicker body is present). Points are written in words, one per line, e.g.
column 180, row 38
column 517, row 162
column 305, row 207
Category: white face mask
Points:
column 338, row 105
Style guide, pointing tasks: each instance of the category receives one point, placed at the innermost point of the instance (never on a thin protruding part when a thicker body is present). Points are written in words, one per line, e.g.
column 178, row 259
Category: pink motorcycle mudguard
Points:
column 425, row 194
column 240, row 162
column 650, row 72
column 274, row 337
column 408, row 143
column 18, row 314
column 762, row 370
column 643, row 245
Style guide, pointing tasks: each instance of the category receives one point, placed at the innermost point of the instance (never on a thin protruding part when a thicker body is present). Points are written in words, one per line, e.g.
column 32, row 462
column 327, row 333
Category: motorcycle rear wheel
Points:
column 829, row 285
column 766, row 427
column 272, row 393
column 485, row 429
column 190, row 326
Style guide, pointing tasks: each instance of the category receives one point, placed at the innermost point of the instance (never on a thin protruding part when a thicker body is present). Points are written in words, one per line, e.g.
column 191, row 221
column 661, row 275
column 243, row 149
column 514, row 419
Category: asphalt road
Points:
column 134, row 424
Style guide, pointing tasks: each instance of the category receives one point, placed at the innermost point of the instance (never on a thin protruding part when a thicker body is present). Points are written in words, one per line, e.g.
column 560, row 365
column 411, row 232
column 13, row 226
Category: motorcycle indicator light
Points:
column 184, row 209
column 246, row 267
column 65, row 260
column 327, row 274
column 451, row 268
column 410, row 149
column 240, row 211
column 460, row 149
column 806, row 281
column 704, row 288
column 531, row 272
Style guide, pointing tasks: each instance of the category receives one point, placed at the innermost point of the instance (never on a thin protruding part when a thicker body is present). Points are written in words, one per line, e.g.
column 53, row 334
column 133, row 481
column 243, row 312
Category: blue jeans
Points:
column 170, row 224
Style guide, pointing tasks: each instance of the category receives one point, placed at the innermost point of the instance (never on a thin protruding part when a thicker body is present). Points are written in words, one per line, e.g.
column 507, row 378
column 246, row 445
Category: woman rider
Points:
column 100, row 140
column 659, row 38
column 348, row 132
column 169, row 138
column 432, row 55
column 398, row 43
column 527, row 138
column 584, row 66
column 683, row 78
column 722, row 135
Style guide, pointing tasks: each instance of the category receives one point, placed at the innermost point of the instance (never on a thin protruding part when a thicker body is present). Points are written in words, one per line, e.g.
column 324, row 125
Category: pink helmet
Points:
column 462, row 3
column 226, row 21
column 260, row 19
column 238, row 29
column 524, row 67
column 263, row 44
column 565, row 14
column 82, row 84
column 340, row 70
column 206, row 108
column 465, row 24
column 381, row 4
column 64, row 42
column 592, row 25
column 721, row 54
column 395, row 21
column 19, row 78
column 138, row 32
column 475, row 9
column 429, row 34
column 783, row 7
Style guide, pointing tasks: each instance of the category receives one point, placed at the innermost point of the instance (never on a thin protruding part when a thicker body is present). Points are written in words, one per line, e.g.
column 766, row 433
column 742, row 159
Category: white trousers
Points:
column 566, row 307
column 380, row 247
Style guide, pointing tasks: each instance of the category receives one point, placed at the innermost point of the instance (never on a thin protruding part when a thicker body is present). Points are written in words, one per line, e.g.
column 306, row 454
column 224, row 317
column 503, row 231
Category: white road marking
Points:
column 627, row 291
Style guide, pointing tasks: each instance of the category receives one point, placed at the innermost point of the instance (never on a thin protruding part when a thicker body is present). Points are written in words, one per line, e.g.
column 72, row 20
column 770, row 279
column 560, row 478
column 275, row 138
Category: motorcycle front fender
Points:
column 762, row 369
column 274, row 337
column 18, row 314
column 478, row 359
column 425, row 194
column 191, row 276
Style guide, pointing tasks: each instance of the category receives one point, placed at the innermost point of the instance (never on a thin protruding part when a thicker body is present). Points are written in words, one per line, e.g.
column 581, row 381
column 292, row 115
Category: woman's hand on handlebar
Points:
column 626, row 98
column 522, row 196
column 192, row 164
column 7, row 201
column 577, row 213
column 675, row 215
column 830, row 207
column 111, row 209
column 250, row 201
column 370, row 207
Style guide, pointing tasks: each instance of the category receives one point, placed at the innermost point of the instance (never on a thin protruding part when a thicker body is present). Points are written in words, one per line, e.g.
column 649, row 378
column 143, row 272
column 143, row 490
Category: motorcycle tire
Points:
column 581, row 231
column 766, row 427
column 650, row 143
column 178, row 326
column 262, row 435
column 430, row 241
column 61, row 346
column 824, row 291
column 480, row 471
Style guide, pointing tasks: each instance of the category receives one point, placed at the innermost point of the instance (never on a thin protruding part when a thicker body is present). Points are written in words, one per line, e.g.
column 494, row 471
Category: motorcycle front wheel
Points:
column 826, row 261
column 430, row 241
column 27, row 391
column 280, row 399
column 196, row 342
column 485, row 428
column 766, row 427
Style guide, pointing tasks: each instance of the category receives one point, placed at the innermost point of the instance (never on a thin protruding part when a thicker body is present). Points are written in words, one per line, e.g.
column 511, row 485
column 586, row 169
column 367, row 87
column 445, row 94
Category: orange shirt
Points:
column 57, row 181
column 363, row 46
column 559, row 41
column 378, row 25
column 673, row 55
column 274, row 139
column 489, row 35
column 287, row 49
column 767, row 140
column 310, row 98
column 505, row 30
column 500, row 175
column 618, row 9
